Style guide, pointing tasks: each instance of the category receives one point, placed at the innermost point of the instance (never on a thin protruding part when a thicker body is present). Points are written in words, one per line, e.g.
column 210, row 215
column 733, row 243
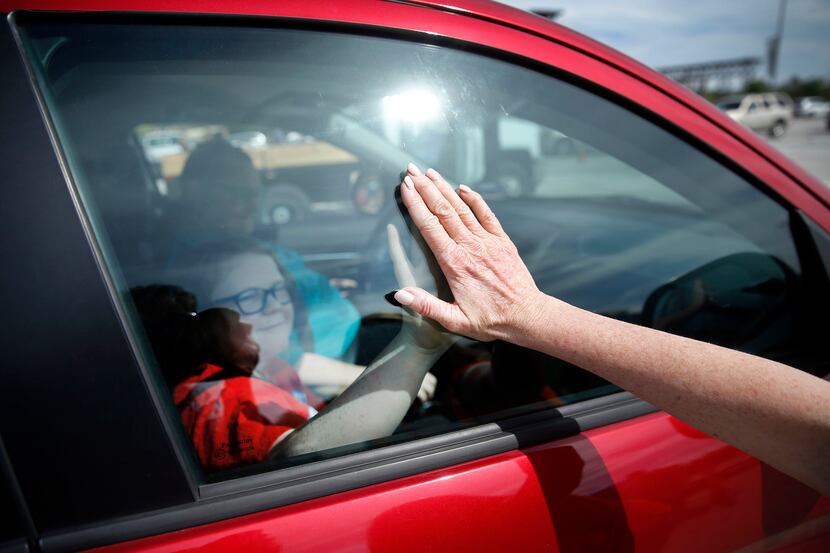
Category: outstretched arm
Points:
column 769, row 410
column 374, row 404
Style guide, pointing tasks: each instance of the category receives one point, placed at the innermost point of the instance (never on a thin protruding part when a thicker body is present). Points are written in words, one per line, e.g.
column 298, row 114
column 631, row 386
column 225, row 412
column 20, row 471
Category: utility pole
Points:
column 774, row 43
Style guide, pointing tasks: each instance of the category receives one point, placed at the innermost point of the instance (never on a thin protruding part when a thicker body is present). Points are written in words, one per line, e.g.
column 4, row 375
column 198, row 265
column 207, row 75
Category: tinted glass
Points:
column 729, row 104
column 255, row 170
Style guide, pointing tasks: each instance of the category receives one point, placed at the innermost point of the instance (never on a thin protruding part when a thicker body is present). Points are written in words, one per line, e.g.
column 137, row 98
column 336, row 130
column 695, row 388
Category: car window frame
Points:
column 278, row 487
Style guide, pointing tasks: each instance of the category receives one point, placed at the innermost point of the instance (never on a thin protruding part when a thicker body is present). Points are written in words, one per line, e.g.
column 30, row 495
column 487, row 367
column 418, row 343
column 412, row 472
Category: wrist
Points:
column 534, row 321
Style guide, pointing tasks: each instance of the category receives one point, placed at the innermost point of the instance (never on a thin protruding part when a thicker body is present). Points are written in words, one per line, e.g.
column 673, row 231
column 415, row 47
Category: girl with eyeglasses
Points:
column 239, row 399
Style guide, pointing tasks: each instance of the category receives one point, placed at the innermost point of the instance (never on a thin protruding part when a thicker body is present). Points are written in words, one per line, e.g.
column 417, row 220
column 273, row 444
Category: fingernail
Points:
column 433, row 174
column 412, row 168
column 465, row 188
column 390, row 297
column 404, row 297
column 407, row 180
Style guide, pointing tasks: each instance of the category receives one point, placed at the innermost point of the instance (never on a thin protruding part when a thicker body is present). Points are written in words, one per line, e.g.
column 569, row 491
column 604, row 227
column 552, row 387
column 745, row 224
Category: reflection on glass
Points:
column 413, row 106
column 292, row 142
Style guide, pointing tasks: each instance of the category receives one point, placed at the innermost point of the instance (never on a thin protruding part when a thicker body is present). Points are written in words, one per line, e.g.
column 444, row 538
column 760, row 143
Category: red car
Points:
column 625, row 193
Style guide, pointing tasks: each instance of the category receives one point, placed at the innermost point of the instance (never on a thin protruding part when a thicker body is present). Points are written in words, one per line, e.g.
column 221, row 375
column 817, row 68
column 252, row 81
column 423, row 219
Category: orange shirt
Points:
column 235, row 421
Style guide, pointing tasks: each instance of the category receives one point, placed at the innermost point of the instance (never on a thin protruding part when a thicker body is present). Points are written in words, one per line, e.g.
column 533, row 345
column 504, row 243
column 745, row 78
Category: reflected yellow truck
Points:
column 273, row 156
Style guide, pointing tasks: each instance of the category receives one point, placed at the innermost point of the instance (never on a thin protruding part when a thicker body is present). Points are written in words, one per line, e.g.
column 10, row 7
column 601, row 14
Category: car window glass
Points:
column 728, row 104
column 254, row 170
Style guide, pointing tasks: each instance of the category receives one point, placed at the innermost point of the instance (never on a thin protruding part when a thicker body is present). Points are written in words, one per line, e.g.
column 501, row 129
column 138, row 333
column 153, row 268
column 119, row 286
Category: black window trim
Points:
column 214, row 501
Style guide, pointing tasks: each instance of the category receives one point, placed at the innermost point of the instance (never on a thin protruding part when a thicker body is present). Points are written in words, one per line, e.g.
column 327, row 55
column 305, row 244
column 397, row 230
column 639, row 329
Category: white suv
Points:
column 770, row 112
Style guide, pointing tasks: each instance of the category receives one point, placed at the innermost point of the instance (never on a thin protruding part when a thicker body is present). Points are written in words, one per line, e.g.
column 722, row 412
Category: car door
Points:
column 535, row 455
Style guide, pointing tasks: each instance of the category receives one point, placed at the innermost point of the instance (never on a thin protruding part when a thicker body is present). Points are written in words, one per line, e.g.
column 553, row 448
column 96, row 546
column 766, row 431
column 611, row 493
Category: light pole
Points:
column 774, row 43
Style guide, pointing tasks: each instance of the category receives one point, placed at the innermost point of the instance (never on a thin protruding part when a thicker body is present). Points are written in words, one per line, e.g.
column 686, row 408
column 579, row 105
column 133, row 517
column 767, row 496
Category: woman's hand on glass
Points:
column 492, row 287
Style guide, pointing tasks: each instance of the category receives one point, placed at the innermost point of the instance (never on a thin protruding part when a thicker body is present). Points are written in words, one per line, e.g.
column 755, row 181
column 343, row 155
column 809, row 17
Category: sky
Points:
column 670, row 32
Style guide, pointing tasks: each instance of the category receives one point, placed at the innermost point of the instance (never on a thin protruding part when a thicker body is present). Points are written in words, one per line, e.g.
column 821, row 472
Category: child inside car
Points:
column 239, row 398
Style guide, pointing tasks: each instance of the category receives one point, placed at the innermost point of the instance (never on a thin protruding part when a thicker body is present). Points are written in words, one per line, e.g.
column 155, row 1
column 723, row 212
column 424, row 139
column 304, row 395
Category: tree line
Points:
column 795, row 87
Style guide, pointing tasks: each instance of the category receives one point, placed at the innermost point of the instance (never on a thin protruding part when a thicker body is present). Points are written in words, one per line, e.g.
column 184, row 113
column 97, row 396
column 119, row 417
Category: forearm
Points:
column 372, row 407
column 771, row 411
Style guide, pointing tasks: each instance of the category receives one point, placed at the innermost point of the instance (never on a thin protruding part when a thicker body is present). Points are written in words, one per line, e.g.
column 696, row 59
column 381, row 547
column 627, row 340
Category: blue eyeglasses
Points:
column 254, row 300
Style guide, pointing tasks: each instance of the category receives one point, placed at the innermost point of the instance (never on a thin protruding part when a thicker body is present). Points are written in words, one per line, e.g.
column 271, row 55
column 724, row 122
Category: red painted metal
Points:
column 650, row 484
column 685, row 491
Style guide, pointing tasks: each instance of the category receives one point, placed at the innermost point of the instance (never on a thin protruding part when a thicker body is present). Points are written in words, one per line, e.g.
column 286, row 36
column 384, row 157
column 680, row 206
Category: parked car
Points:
column 812, row 106
column 625, row 193
column 768, row 112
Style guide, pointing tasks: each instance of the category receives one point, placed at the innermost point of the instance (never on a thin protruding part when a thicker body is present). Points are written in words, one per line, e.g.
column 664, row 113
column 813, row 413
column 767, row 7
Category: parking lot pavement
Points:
column 807, row 142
